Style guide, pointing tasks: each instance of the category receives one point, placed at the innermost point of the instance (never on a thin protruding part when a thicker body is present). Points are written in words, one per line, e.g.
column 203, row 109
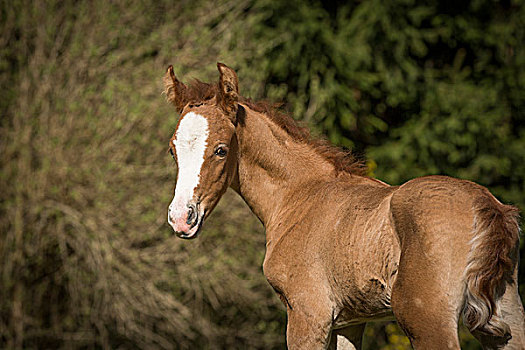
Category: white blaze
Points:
column 190, row 143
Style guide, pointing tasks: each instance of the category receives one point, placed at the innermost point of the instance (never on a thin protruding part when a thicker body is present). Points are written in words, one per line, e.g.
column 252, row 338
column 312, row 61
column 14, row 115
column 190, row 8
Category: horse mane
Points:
column 343, row 160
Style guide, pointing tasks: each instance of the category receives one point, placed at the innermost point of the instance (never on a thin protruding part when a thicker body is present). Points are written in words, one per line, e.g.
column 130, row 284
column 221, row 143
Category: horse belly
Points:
column 347, row 318
column 370, row 301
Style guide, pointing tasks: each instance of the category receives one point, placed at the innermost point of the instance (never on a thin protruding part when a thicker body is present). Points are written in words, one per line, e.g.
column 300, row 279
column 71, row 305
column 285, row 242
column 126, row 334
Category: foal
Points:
column 344, row 249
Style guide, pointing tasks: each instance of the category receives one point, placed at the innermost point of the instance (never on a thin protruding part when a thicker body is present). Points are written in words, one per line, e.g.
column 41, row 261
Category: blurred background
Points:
column 87, row 260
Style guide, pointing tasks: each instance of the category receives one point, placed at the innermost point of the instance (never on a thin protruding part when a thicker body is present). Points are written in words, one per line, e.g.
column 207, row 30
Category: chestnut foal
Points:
column 344, row 249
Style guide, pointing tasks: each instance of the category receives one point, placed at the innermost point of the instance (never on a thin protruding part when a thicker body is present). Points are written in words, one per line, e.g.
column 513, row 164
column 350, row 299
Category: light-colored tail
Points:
column 491, row 263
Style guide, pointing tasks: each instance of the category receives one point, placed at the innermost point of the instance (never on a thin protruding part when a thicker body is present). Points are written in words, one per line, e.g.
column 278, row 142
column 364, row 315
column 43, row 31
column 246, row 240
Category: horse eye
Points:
column 220, row 151
column 172, row 155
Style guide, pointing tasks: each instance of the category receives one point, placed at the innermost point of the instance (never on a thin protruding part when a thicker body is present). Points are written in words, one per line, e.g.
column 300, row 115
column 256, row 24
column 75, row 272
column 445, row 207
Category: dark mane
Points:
column 343, row 160
column 198, row 91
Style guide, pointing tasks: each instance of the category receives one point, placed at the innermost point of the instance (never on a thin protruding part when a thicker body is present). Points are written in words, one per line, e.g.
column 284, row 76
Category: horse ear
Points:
column 175, row 90
column 228, row 91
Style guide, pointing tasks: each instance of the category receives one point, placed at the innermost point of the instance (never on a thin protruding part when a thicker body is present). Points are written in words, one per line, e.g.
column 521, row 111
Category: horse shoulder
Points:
column 295, row 243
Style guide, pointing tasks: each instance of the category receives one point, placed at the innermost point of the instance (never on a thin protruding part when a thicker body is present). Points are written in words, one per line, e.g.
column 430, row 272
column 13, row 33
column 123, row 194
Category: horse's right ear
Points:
column 175, row 90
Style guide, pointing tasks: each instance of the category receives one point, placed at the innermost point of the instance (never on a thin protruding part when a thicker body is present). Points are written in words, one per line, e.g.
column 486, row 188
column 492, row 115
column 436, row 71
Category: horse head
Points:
column 203, row 145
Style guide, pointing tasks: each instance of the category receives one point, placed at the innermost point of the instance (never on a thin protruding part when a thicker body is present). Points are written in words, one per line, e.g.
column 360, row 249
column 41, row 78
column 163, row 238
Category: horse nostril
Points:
column 192, row 215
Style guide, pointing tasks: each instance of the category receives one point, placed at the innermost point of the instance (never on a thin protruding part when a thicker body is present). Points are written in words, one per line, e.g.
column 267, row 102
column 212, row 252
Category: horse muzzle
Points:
column 186, row 224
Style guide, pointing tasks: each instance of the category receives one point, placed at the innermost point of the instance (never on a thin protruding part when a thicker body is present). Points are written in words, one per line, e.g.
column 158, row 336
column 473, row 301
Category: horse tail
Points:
column 491, row 263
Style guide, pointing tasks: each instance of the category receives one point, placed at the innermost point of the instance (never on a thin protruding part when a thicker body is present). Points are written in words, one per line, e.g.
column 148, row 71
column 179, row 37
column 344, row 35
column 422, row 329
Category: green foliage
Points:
column 86, row 258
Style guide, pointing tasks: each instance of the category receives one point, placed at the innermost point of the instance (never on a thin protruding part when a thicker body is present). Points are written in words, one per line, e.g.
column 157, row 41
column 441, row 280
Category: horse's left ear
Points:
column 228, row 96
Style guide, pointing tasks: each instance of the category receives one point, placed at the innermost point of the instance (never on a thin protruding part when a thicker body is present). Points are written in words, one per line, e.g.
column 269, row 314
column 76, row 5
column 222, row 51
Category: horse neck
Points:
column 271, row 164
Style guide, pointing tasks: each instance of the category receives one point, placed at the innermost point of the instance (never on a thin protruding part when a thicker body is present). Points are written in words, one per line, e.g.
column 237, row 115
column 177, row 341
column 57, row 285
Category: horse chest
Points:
column 290, row 271
column 279, row 269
